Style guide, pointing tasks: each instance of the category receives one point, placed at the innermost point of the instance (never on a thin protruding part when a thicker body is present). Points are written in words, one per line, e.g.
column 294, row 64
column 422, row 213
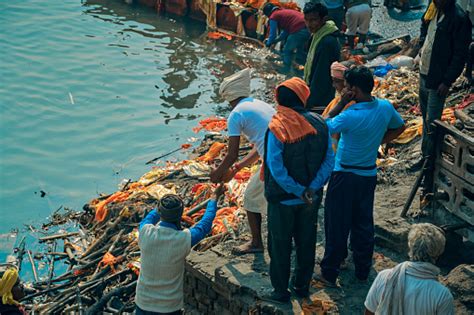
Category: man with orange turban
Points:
column 298, row 162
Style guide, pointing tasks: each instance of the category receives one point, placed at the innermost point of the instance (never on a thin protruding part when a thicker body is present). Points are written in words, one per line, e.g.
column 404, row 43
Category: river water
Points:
column 89, row 92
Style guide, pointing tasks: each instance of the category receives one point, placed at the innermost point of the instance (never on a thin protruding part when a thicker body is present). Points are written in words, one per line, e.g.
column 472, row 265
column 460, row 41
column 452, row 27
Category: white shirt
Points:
column 428, row 45
column 251, row 118
column 422, row 296
column 160, row 283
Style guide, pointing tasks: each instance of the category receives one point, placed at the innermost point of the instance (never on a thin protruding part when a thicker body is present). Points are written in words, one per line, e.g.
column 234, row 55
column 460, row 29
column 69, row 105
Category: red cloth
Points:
column 288, row 20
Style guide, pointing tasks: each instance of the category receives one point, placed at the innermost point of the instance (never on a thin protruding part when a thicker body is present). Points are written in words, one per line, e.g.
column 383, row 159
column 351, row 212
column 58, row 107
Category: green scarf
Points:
column 328, row 28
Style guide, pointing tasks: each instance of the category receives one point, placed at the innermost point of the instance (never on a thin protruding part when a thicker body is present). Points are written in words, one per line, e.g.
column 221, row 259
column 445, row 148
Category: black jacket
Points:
column 302, row 159
column 450, row 47
column 320, row 84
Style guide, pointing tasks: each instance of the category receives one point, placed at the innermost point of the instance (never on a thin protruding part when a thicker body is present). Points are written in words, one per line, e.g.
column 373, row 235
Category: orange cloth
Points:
column 298, row 86
column 333, row 103
column 213, row 152
column 109, row 260
column 288, row 125
column 101, row 207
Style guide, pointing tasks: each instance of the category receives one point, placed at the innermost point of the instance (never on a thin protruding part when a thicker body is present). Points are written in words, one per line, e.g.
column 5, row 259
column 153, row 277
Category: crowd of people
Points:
column 326, row 127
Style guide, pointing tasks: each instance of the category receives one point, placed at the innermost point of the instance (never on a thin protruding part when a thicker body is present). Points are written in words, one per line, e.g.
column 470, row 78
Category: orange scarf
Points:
column 287, row 125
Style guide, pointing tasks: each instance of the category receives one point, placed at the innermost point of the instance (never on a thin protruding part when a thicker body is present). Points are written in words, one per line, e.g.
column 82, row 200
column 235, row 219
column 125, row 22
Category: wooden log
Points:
column 57, row 236
column 467, row 121
column 200, row 206
column 104, row 236
column 98, row 307
column 33, row 266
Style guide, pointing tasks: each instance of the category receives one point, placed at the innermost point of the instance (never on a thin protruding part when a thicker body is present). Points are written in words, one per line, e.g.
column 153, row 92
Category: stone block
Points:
column 393, row 234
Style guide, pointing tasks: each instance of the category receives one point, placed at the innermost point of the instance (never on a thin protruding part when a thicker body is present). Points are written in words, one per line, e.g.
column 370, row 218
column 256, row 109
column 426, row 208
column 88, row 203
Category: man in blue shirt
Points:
column 298, row 161
column 164, row 247
column 350, row 193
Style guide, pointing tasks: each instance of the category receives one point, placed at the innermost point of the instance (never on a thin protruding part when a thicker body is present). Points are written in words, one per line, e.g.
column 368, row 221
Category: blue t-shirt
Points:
column 362, row 127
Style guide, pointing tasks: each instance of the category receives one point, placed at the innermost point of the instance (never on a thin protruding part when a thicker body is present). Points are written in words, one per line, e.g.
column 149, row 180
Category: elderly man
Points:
column 337, row 75
column 249, row 117
column 298, row 162
column 323, row 51
column 164, row 247
column 412, row 287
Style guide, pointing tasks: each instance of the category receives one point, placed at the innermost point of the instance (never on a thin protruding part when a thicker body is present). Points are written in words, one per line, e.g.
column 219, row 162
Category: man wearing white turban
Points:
column 412, row 287
column 249, row 117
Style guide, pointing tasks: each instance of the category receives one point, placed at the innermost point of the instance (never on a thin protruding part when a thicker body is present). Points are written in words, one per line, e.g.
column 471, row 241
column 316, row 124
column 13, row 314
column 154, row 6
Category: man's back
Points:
column 421, row 296
column 289, row 20
column 163, row 251
column 251, row 118
column 362, row 127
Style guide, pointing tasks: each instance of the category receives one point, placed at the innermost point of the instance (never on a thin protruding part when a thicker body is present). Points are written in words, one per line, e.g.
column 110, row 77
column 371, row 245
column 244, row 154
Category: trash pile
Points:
column 101, row 251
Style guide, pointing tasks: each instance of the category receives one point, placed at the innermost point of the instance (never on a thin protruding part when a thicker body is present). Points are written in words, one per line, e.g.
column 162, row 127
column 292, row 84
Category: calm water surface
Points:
column 89, row 92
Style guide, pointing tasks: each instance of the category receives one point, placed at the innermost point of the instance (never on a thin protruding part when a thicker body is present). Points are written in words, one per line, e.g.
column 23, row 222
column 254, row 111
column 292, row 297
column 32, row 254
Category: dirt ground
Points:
column 392, row 191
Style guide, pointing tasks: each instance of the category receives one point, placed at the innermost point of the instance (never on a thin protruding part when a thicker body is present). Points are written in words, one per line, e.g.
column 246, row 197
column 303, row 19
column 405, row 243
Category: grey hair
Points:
column 425, row 242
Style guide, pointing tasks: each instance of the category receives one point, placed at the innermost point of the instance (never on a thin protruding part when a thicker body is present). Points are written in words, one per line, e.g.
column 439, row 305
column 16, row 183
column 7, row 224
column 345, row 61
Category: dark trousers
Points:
column 139, row 311
column 286, row 223
column 295, row 42
column 431, row 105
column 337, row 15
column 349, row 208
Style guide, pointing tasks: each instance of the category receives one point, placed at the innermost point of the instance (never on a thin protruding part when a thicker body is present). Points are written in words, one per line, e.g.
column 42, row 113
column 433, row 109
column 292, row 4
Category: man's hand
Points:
column 443, row 90
column 216, row 176
column 308, row 196
column 228, row 175
column 347, row 96
column 220, row 189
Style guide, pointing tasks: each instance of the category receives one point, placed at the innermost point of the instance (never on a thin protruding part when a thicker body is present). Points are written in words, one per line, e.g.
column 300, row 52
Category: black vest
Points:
column 302, row 159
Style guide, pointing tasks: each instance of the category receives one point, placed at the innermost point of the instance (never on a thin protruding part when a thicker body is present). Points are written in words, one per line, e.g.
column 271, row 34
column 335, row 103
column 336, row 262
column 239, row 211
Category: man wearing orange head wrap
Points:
column 298, row 161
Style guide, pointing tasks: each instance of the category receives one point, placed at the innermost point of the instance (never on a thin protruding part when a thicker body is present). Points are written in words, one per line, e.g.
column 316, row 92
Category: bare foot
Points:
column 247, row 248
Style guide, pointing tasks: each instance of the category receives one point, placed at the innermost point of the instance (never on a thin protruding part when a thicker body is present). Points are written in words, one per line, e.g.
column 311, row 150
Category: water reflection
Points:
column 179, row 48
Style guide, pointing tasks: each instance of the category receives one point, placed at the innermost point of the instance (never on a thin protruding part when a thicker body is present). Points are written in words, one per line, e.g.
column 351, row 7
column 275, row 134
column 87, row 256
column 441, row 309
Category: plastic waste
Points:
column 381, row 71
column 377, row 62
column 403, row 61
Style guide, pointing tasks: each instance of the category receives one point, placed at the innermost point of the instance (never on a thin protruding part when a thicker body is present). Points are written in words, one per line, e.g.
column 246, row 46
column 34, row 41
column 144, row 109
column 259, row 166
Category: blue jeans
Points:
column 295, row 42
column 431, row 105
